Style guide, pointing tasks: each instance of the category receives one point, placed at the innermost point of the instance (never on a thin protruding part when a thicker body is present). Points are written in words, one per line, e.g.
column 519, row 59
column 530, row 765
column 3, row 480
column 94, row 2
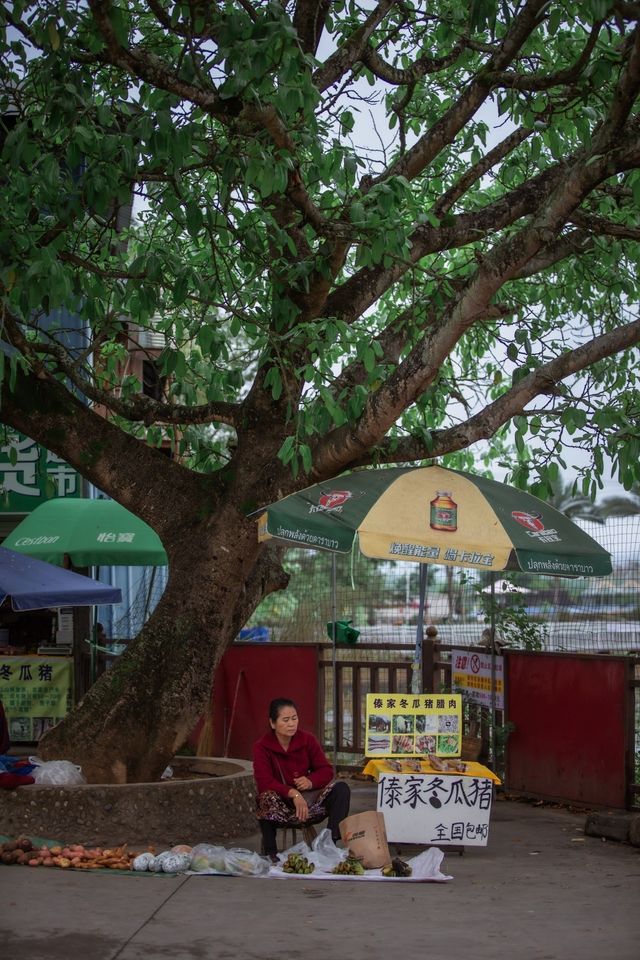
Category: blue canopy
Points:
column 35, row 585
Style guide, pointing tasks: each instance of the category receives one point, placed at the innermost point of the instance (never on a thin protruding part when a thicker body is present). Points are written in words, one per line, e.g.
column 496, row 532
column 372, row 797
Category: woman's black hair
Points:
column 276, row 705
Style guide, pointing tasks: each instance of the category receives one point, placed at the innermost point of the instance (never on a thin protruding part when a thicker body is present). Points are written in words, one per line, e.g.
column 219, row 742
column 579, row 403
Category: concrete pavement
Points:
column 540, row 890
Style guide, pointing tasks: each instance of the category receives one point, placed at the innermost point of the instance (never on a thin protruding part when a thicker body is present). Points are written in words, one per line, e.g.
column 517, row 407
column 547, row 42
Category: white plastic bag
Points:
column 246, row 863
column 300, row 847
column 206, row 857
column 325, row 854
column 426, row 865
column 56, row 773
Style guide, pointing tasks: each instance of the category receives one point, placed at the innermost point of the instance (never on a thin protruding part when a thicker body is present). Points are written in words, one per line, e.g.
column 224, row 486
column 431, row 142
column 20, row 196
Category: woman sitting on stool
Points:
column 287, row 763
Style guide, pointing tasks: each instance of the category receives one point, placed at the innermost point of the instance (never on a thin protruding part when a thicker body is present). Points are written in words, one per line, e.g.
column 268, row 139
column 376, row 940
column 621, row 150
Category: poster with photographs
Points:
column 412, row 725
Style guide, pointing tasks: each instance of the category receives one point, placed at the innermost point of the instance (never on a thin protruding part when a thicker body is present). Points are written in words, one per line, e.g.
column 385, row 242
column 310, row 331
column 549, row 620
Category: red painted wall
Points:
column 251, row 675
column 570, row 727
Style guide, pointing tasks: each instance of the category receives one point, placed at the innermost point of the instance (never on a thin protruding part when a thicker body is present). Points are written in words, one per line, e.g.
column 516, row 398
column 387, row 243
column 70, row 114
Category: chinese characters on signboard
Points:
column 435, row 809
column 30, row 474
column 36, row 693
column 471, row 675
column 410, row 725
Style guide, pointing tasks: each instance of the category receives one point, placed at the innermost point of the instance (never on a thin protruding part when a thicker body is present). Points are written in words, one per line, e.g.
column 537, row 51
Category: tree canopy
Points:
column 366, row 233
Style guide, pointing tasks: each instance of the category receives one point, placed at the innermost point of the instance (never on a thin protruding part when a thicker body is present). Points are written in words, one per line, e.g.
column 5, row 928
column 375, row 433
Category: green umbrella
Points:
column 436, row 515
column 90, row 532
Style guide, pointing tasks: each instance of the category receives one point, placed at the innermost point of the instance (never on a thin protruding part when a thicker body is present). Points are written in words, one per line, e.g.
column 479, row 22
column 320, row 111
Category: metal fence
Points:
column 352, row 673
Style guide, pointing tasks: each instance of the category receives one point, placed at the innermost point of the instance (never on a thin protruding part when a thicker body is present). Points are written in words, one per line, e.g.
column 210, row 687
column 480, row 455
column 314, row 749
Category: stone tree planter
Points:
column 215, row 807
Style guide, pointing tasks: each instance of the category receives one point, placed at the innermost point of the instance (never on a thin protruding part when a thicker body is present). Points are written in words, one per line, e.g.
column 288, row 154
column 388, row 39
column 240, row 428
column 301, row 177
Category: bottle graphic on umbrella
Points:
column 444, row 513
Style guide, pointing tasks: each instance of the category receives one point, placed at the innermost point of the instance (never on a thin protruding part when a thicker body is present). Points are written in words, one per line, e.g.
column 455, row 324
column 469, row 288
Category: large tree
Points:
column 370, row 233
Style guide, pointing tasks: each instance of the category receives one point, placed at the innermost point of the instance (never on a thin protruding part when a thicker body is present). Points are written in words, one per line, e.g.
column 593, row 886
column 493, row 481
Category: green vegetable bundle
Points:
column 297, row 863
column 349, row 867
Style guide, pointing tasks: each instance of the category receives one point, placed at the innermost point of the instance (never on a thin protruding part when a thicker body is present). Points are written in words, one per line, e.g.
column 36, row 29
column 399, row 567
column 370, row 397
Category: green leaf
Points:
column 305, row 455
column 273, row 379
column 194, row 218
column 13, row 372
column 347, row 121
column 357, row 212
column 555, row 19
column 369, row 359
column 180, row 289
column 54, row 36
column 287, row 450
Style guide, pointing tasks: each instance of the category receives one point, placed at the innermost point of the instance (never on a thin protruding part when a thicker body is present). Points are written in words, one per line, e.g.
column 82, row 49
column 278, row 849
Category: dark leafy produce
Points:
column 297, row 863
column 397, row 868
column 349, row 867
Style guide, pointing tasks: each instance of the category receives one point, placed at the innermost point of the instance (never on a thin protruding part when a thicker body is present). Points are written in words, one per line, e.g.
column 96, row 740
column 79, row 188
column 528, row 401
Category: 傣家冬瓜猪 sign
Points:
column 412, row 725
column 435, row 808
column 36, row 693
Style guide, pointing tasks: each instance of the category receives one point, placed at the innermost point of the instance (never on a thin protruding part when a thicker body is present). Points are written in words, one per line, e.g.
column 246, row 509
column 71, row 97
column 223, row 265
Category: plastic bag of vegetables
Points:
column 208, row 858
column 246, row 863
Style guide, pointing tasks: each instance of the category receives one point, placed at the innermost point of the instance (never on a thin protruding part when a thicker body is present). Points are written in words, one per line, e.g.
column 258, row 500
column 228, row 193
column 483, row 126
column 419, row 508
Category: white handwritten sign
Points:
column 435, row 808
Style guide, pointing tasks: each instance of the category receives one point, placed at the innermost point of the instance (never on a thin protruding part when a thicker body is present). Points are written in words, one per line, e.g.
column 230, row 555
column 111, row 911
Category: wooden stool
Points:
column 308, row 830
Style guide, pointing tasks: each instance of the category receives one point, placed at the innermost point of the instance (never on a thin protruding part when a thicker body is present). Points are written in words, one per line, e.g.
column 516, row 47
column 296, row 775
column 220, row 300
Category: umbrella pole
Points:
column 93, row 654
column 334, row 673
column 416, row 679
column 493, row 669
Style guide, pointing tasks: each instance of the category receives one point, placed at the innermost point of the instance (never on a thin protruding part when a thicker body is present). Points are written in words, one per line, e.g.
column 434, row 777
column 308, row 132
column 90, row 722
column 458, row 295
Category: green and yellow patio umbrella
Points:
column 435, row 515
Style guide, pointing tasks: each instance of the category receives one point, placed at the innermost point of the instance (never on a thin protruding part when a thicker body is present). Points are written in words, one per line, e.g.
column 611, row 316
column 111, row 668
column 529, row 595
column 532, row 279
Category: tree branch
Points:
column 570, row 244
column 483, row 425
column 351, row 51
column 604, row 227
column 361, row 290
column 103, row 453
column 148, row 67
column 421, row 68
column 532, row 83
column 479, row 169
column 348, row 443
column 421, row 315
column 453, row 120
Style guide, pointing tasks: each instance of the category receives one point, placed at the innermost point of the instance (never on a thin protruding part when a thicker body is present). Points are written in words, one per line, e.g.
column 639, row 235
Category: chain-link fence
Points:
column 381, row 599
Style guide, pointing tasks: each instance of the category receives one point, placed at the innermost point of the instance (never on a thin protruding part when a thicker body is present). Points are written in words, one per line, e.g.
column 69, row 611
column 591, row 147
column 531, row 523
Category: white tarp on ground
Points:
column 425, row 868
column 323, row 854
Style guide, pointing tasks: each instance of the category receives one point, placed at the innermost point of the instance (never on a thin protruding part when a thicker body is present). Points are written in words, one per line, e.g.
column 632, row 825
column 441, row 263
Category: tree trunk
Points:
column 139, row 713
